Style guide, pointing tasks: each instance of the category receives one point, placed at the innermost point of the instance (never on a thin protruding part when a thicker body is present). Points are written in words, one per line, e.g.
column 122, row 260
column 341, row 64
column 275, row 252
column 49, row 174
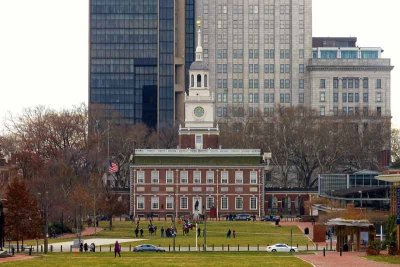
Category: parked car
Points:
column 281, row 248
column 148, row 247
column 243, row 217
column 268, row 218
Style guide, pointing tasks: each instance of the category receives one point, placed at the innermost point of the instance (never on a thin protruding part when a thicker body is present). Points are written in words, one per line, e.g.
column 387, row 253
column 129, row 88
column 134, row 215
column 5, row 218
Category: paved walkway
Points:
column 333, row 259
column 85, row 232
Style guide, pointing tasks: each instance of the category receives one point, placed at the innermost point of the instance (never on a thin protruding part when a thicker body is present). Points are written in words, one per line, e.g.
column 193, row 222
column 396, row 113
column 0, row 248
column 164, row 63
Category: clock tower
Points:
column 199, row 130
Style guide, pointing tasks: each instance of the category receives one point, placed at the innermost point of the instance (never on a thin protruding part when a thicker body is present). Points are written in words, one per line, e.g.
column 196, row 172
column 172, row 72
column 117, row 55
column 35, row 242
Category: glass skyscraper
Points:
column 137, row 59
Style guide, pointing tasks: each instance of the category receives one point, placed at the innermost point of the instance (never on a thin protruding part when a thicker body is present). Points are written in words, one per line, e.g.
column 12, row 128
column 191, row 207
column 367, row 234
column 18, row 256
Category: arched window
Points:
column 198, row 80
column 192, row 81
column 205, row 81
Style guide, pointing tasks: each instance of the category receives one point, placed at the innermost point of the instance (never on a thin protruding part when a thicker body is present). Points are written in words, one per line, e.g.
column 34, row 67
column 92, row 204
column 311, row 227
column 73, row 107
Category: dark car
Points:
column 243, row 217
column 269, row 218
column 148, row 247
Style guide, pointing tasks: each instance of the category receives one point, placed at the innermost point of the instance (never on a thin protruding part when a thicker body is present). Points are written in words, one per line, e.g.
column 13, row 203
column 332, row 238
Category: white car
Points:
column 281, row 248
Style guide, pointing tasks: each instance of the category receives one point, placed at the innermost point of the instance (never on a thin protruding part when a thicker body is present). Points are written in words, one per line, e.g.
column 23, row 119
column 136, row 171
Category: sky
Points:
column 44, row 47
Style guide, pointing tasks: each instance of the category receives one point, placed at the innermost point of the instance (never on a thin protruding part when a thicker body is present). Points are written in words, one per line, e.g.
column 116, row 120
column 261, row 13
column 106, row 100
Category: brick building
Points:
column 198, row 177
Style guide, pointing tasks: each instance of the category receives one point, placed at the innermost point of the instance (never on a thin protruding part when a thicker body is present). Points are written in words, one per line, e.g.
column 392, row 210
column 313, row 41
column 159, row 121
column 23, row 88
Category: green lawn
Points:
column 386, row 259
column 248, row 233
column 163, row 259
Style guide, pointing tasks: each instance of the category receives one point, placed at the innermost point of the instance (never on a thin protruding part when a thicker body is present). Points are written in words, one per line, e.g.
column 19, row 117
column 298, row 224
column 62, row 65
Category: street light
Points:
column 1, row 225
column 361, row 205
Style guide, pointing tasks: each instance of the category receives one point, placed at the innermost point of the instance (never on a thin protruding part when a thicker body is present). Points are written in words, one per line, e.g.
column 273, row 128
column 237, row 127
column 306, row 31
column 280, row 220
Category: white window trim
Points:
column 166, row 202
column 181, row 177
column 256, row 203
column 187, row 203
column 199, row 177
column 236, row 207
column 141, row 181
column 236, row 177
column 227, row 203
column 158, row 177
column 137, row 203
column 172, row 177
column 256, row 177
column 155, row 202
column 227, row 177
column 207, row 180
column 207, row 206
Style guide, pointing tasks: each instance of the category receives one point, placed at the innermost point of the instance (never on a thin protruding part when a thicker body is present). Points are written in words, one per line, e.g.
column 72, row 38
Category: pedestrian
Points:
column 141, row 232
column 117, row 249
column 228, row 234
column 85, row 247
column 136, row 232
column 198, row 232
column 234, row 234
column 81, row 247
column 162, row 231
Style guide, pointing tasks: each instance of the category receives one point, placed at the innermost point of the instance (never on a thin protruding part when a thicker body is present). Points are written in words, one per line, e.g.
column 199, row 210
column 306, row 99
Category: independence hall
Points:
column 199, row 177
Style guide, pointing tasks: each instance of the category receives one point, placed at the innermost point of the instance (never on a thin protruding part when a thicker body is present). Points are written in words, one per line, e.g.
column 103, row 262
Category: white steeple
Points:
column 199, row 48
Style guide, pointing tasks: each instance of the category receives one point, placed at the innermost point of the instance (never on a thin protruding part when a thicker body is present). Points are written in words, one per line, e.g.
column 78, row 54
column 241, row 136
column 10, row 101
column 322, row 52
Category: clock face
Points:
column 199, row 111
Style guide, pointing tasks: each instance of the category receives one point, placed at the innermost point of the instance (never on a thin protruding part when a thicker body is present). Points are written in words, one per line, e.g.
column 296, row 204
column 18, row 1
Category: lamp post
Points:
column 361, row 204
column 44, row 209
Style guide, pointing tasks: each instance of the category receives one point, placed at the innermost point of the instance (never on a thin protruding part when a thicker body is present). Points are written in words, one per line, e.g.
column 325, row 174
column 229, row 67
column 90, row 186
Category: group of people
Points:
column 229, row 233
column 169, row 232
column 85, row 247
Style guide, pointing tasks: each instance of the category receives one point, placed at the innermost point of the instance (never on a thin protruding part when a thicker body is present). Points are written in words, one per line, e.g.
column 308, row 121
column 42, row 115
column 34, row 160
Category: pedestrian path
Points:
column 333, row 259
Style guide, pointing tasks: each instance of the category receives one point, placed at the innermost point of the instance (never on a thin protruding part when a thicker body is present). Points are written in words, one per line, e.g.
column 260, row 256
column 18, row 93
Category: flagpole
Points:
column 108, row 140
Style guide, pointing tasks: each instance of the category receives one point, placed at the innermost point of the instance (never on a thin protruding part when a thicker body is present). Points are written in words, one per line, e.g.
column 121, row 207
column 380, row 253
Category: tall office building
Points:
column 257, row 51
column 138, row 51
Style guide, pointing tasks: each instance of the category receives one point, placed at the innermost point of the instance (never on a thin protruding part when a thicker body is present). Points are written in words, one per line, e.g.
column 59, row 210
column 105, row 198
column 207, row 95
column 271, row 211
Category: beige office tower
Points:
column 257, row 51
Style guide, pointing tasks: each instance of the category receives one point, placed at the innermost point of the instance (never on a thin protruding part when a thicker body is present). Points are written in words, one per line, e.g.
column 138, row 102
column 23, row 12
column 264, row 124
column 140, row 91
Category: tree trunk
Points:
column 110, row 226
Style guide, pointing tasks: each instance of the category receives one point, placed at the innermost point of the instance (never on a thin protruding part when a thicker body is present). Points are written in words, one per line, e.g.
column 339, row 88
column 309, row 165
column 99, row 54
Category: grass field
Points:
column 163, row 259
column 248, row 233
column 386, row 259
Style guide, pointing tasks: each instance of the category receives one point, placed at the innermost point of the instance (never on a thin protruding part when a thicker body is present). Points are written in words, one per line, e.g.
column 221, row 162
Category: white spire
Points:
column 199, row 48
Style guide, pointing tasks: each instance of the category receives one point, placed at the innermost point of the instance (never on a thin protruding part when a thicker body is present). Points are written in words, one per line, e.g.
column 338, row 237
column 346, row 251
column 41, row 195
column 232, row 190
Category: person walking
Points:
column 117, row 249
column 228, row 235
column 162, row 231
column 85, row 247
column 198, row 232
column 141, row 232
column 234, row 234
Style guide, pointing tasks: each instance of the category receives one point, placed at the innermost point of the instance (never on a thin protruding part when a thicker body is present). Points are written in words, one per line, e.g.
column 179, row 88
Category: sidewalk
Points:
column 16, row 258
column 85, row 232
column 333, row 259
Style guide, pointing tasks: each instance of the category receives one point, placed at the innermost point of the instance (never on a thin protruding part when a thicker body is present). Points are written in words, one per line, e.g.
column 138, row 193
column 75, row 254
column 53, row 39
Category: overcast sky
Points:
column 44, row 47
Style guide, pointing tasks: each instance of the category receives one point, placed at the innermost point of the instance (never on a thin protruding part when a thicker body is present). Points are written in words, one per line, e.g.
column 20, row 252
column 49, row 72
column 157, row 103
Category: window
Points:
column 238, row 203
column 269, row 53
column 285, row 68
column 378, row 111
column 378, row 83
column 196, row 177
column 184, row 203
column 224, row 203
column 344, row 97
column 253, row 203
column 140, row 203
column 154, row 203
column 238, row 177
column 365, row 83
column 224, row 177
column 237, row 53
column 209, row 203
column 322, row 111
column 322, row 97
column 140, row 177
column 154, row 177
column 365, row 97
column 301, row 53
column 378, row 97
column 301, row 98
column 335, row 97
column 301, row 84
column 322, row 83
column 253, row 177
column 284, row 53
column 301, row 68
column 169, row 202
column 350, row 98
column 210, row 177
column 356, row 97
column 335, row 83
column 184, row 177
column 170, row 177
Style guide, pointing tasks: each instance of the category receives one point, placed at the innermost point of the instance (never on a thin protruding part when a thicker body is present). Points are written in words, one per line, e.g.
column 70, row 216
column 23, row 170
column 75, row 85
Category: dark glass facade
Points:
column 132, row 59
column 190, row 39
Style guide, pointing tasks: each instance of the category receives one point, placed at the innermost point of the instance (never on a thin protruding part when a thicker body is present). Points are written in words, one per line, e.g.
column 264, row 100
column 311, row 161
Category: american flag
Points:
column 113, row 167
